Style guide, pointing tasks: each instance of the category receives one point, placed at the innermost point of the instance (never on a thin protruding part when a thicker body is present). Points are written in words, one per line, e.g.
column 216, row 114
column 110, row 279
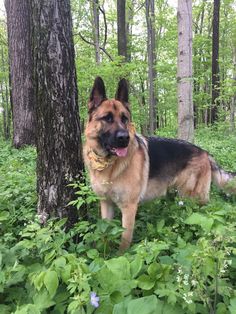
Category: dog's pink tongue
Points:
column 121, row 152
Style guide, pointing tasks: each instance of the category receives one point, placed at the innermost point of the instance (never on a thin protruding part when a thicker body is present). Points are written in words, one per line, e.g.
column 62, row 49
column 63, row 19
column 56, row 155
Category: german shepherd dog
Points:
column 126, row 168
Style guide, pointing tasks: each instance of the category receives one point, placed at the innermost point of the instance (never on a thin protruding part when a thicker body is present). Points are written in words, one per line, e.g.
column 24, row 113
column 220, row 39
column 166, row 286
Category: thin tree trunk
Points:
column 8, row 114
column 233, row 101
column 198, row 112
column 3, row 111
column 5, row 102
column 129, row 28
column 95, row 7
column 59, row 139
column 144, row 127
column 21, row 71
column 151, row 51
column 121, row 29
column 215, row 62
column 184, row 74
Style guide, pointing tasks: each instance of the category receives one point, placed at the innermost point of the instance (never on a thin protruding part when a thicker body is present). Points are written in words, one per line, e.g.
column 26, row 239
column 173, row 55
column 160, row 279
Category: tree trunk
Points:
column 95, row 9
column 215, row 62
column 233, row 101
column 184, row 72
column 5, row 100
column 121, row 29
column 21, row 71
column 8, row 113
column 59, row 140
column 151, row 51
column 129, row 28
column 198, row 56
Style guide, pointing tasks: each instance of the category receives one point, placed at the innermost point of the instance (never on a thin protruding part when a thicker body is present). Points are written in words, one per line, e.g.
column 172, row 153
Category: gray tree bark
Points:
column 95, row 9
column 215, row 62
column 152, row 76
column 21, row 71
column 233, row 101
column 184, row 72
column 5, row 99
column 59, row 139
column 121, row 29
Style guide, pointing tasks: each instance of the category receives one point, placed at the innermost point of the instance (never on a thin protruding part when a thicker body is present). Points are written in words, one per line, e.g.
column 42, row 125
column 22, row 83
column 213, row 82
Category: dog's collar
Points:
column 98, row 162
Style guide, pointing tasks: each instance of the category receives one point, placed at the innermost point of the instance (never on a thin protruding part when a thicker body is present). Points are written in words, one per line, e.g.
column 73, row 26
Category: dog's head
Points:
column 109, row 122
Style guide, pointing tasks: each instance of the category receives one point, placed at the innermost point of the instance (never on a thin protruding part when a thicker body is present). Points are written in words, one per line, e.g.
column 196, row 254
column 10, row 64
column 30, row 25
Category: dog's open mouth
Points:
column 120, row 151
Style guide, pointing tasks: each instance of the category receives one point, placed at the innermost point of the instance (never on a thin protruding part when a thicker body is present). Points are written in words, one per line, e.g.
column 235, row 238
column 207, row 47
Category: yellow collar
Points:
column 99, row 162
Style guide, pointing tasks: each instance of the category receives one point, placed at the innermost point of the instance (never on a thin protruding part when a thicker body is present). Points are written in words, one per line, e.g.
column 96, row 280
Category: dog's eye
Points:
column 108, row 118
column 124, row 119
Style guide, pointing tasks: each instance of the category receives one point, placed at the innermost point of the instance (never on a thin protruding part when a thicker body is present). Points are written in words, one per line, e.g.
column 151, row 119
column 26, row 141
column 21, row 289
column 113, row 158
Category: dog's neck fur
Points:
column 98, row 162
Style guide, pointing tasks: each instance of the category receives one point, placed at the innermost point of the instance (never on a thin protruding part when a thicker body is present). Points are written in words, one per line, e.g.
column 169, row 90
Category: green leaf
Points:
column 153, row 269
column 119, row 266
column 60, row 262
column 27, row 309
column 136, row 266
column 65, row 273
column 50, row 256
column 92, row 253
column 169, row 309
column 4, row 215
column 121, row 308
column 51, row 282
column 201, row 220
column 232, row 306
column 39, row 280
column 166, row 260
column 42, row 300
column 145, row 282
column 61, row 222
column 145, row 305
column 116, row 297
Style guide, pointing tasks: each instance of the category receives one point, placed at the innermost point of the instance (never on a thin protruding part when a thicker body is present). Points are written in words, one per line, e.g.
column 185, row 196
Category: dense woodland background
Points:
column 180, row 61
column 95, row 35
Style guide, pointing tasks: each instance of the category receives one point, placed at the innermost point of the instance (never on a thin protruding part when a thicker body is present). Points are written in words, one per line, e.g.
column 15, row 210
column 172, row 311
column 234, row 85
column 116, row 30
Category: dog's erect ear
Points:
column 98, row 93
column 122, row 93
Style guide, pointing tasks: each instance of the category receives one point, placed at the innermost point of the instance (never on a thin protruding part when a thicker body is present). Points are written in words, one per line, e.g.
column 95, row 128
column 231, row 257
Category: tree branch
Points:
column 105, row 26
column 92, row 44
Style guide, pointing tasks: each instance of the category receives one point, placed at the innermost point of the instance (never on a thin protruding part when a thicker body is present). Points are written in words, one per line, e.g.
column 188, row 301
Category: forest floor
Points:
column 183, row 259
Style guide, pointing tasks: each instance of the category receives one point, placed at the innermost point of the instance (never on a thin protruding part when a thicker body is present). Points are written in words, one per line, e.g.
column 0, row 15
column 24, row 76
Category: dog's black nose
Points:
column 122, row 137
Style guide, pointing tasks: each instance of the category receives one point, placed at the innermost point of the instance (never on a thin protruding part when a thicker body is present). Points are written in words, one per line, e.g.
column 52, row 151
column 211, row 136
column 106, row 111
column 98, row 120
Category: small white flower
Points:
column 194, row 282
column 178, row 278
column 181, row 203
column 185, row 282
column 180, row 270
column 187, row 297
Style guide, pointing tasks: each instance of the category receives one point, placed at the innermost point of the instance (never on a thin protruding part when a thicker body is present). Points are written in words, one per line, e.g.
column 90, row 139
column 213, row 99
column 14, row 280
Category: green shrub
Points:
column 183, row 259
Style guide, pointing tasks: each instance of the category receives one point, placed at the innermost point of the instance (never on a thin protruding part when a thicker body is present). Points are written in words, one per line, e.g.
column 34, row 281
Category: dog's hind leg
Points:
column 195, row 180
column 128, row 221
column 107, row 210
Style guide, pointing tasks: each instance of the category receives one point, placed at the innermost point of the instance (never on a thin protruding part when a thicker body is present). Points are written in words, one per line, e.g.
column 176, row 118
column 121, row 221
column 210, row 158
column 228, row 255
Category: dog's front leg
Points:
column 128, row 221
column 107, row 210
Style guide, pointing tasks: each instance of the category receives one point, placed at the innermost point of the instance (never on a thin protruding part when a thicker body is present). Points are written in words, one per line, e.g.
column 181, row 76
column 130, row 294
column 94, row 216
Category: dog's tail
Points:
column 223, row 179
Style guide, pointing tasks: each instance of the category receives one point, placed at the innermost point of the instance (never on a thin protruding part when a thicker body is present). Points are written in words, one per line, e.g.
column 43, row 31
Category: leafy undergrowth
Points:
column 182, row 260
